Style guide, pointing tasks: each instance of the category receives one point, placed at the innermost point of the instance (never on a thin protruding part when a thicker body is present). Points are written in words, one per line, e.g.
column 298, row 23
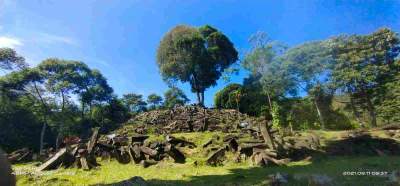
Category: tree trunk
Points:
column 355, row 112
column 63, row 101
column 83, row 111
column 371, row 110
column 46, row 111
column 58, row 141
column 42, row 133
column 198, row 97
column 269, row 100
column 266, row 134
column 202, row 98
column 237, row 105
column 199, row 93
column 321, row 118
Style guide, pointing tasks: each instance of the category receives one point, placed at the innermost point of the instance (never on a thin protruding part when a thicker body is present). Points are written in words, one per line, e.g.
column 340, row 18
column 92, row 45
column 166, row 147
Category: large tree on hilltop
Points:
column 195, row 55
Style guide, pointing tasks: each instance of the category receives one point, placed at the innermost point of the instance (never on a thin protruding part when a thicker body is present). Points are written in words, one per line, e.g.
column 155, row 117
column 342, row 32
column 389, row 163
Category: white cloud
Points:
column 53, row 39
column 10, row 42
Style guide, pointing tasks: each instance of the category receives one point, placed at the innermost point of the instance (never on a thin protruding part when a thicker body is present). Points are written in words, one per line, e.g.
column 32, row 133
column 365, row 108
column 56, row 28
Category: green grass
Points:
column 168, row 173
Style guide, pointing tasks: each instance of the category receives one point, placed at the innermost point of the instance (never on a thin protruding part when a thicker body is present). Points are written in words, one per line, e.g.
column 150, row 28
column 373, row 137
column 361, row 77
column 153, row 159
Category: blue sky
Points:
column 120, row 38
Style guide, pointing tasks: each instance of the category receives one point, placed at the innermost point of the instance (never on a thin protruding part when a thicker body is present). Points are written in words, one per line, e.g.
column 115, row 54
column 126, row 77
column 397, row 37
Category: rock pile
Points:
column 134, row 149
column 77, row 154
column 122, row 148
column 189, row 119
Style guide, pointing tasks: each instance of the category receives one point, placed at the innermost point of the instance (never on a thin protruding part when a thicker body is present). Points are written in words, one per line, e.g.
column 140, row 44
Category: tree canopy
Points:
column 154, row 100
column 365, row 63
column 9, row 59
column 134, row 102
column 226, row 97
column 195, row 55
column 174, row 96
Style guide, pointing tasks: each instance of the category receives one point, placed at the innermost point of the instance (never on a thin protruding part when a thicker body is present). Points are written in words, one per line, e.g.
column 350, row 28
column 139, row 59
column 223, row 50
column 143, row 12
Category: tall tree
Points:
column 264, row 60
column 311, row 65
column 134, row 102
column 66, row 76
column 55, row 79
column 174, row 96
column 364, row 62
column 195, row 55
column 17, row 106
column 27, row 81
column 154, row 101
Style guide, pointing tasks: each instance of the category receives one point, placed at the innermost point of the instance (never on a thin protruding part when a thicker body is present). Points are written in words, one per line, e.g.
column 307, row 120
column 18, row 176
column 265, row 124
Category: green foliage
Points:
column 63, row 77
column 361, row 66
column 134, row 102
column 389, row 100
column 309, row 61
column 302, row 114
column 109, row 116
column 42, row 96
column 10, row 60
column 364, row 65
column 195, row 55
column 154, row 101
column 225, row 98
column 264, row 60
column 174, row 96
column 249, row 97
column 276, row 116
column 15, row 131
column 254, row 101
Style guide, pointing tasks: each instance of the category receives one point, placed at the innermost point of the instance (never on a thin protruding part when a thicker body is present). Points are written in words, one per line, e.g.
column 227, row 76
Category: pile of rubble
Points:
column 122, row 148
column 74, row 153
column 137, row 150
column 263, row 150
column 189, row 119
column 261, row 144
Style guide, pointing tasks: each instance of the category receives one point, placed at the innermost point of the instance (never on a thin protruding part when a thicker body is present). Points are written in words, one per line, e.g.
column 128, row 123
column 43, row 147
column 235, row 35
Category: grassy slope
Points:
column 168, row 173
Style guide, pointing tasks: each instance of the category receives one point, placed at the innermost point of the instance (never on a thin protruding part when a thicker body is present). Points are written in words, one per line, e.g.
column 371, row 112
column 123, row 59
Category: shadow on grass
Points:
column 333, row 167
column 364, row 144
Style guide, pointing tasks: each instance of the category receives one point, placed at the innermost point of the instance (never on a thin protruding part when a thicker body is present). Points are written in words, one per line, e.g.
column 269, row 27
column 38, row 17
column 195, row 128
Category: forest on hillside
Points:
column 342, row 82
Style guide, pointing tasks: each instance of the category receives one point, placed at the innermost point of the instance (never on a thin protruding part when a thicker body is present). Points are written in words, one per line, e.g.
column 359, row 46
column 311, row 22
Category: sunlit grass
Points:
column 182, row 174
